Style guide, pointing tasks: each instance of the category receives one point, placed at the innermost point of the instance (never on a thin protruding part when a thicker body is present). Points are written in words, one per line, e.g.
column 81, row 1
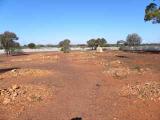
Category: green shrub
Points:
column 65, row 46
column 31, row 45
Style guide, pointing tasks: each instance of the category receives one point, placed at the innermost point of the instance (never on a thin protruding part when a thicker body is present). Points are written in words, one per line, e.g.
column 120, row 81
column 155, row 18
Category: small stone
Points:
column 121, row 74
column 6, row 101
column 15, row 94
column 141, row 70
column 29, row 99
column 147, row 69
column 14, row 70
column 10, row 90
column 22, row 92
column 14, row 87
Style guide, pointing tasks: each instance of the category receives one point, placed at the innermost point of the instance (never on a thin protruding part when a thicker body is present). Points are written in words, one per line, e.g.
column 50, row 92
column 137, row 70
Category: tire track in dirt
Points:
column 82, row 87
column 94, row 106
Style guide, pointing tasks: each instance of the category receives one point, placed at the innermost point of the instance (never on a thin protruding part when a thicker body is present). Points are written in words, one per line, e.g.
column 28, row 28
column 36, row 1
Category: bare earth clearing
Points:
column 112, row 85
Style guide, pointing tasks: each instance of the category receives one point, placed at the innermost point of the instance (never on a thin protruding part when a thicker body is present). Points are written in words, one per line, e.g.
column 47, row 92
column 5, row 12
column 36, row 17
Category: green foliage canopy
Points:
column 8, row 41
column 65, row 45
column 31, row 45
column 152, row 12
column 94, row 43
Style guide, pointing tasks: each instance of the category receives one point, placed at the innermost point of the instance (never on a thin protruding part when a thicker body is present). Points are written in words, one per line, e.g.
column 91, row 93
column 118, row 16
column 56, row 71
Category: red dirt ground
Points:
column 80, row 84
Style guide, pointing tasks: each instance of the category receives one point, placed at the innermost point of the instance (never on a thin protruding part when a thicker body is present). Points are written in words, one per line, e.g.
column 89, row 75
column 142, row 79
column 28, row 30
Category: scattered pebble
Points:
column 149, row 90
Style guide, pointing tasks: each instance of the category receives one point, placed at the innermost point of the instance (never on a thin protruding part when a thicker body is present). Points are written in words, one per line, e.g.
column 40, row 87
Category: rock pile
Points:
column 149, row 90
column 117, row 69
column 139, row 69
column 23, row 94
column 120, row 69
column 9, row 94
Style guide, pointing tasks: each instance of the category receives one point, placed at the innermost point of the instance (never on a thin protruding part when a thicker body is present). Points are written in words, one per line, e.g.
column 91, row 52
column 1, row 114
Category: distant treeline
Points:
column 150, row 44
column 9, row 42
column 85, row 45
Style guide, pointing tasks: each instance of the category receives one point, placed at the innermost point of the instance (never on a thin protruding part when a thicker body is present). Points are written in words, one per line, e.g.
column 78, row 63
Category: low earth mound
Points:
column 119, row 69
column 16, row 98
column 37, row 58
column 23, row 94
column 83, row 56
column 25, row 72
column 149, row 91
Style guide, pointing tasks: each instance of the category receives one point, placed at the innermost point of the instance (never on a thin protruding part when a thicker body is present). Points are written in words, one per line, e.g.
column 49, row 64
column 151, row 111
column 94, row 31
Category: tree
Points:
column 91, row 43
column 100, row 42
column 94, row 43
column 7, row 40
column 121, row 43
column 152, row 12
column 133, row 40
column 32, row 45
column 65, row 45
